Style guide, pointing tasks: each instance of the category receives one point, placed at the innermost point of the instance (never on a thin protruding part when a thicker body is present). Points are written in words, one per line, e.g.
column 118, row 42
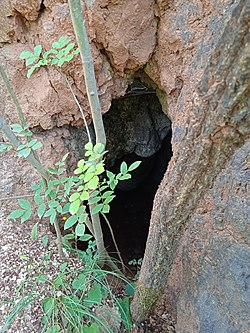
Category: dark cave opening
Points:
column 137, row 130
column 131, row 209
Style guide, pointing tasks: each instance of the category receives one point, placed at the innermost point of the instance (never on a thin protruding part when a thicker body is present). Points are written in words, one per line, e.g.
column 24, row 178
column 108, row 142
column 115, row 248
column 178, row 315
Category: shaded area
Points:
column 137, row 130
column 131, row 209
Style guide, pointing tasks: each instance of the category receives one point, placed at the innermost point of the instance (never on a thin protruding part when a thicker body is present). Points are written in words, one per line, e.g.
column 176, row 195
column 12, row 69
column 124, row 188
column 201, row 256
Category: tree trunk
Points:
column 218, row 126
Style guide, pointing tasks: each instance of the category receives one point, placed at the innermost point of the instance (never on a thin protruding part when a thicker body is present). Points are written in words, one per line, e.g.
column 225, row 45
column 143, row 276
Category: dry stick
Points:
column 78, row 104
column 17, row 197
column 35, row 162
column 114, row 241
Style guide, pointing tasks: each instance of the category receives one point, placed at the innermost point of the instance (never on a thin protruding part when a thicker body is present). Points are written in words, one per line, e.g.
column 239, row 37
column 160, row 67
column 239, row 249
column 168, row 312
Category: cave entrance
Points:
column 137, row 130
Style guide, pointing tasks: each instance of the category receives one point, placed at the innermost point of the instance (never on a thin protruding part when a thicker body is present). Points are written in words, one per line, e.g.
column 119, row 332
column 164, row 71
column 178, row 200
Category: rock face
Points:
column 171, row 42
column 213, row 262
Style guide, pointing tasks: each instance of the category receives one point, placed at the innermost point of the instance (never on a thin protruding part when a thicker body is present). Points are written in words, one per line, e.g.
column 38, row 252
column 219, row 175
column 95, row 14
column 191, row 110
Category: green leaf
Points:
column 48, row 305
column 69, row 48
column 59, row 209
column 24, row 152
column 89, row 146
column 123, row 305
column 32, row 69
column 99, row 168
column 69, row 236
column 26, row 55
column 80, row 282
column 93, row 183
column 34, row 232
column 107, row 194
column 37, row 50
column 81, row 164
column 109, row 199
column 88, row 176
column 63, row 41
column 80, row 229
column 124, row 167
column 130, row 289
column 40, row 210
column 70, row 222
column 37, row 146
column 30, row 61
column 85, row 237
column 125, row 177
column 54, row 61
column 17, row 128
column 76, row 51
column 45, row 240
column 110, row 175
column 93, row 194
column 69, row 57
column 74, row 196
column 61, row 62
column 93, row 328
column 52, row 217
column 82, row 218
column 42, row 278
column 66, row 208
column 97, row 209
column 63, row 267
column 38, row 199
column 57, row 282
column 134, row 165
column 48, row 212
column 94, row 295
column 26, row 216
column 74, row 206
column 53, row 203
column 25, row 204
column 16, row 214
column 106, row 209
column 52, row 171
column 94, row 200
column 84, row 195
column 54, row 329
column 99, row 148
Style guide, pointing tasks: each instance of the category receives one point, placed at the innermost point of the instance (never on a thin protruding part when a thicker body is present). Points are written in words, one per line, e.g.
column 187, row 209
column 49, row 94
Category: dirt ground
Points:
column 21, row 257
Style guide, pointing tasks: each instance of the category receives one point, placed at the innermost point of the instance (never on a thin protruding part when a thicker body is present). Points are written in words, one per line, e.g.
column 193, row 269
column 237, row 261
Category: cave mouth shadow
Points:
column 131, row 208
column 137, row 130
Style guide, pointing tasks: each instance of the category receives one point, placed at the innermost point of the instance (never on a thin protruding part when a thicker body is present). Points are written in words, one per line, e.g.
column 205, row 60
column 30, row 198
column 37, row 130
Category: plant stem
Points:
column 114, row 241
column 17, row 197
column 13, row 95
column 78, row 104
column 32, row 158
column 15, row 143
column 88, row 69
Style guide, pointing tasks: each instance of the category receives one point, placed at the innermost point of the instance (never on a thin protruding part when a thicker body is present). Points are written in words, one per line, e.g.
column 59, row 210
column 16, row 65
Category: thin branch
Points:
column 90, row 227
column 78, row 104
column 17, row 197
column 114, row 241
column 13, row 95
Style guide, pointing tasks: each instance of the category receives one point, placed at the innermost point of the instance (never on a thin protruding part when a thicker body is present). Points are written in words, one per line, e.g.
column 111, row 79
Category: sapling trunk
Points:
column 31, row 158
column 88, row 69
column 91, row 87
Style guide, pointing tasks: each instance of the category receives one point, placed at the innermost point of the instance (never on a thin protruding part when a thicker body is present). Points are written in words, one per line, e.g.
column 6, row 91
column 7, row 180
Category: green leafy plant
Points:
column 71, row 295
column 62, row 51
column 72, row 196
